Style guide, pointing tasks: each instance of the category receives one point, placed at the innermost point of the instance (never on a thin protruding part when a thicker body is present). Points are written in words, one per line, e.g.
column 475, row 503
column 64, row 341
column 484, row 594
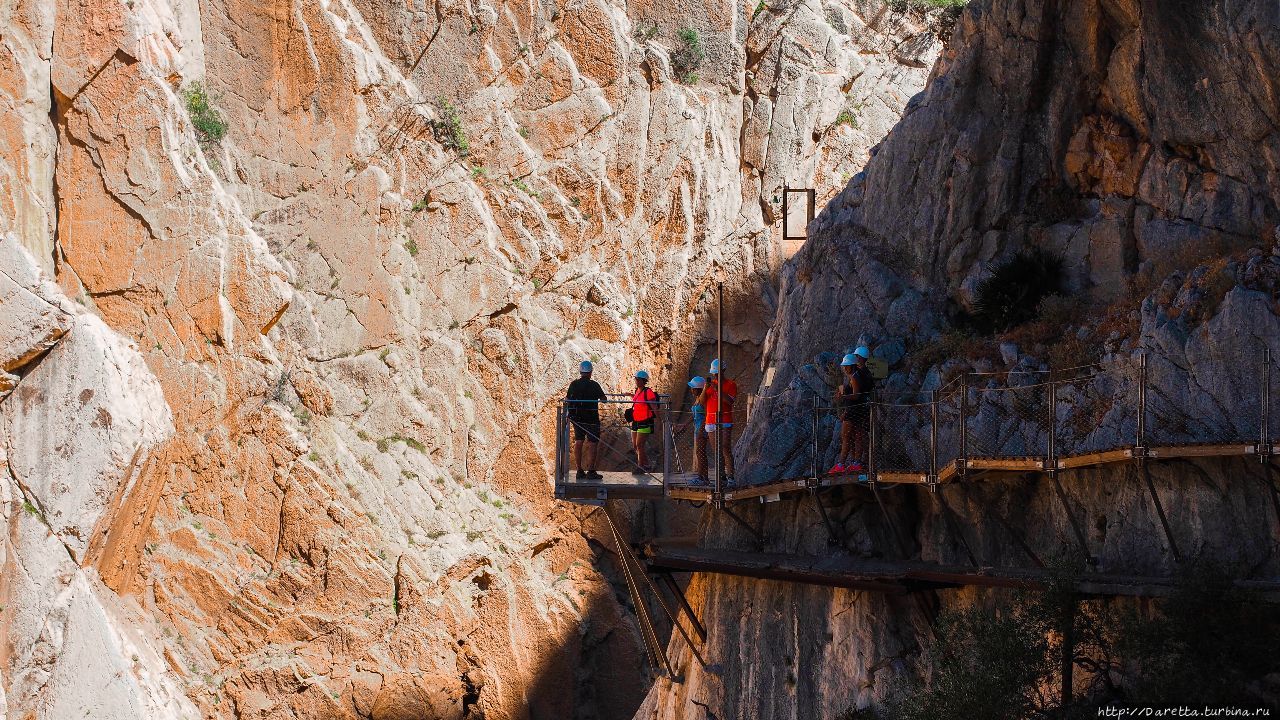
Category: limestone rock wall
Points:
column 1136, row 140
column 275, row 419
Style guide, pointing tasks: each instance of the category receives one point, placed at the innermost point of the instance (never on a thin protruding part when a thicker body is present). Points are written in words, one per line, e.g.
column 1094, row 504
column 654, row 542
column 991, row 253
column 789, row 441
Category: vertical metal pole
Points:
column 933, row 441
column 964, row 423
column 786, row 193
column 817, row 461
column 1264, row 443
column 873, row 416
column 1142, row 400
column 667, row 448
column 1051, row 448
column 719, row 485
column 562, row 447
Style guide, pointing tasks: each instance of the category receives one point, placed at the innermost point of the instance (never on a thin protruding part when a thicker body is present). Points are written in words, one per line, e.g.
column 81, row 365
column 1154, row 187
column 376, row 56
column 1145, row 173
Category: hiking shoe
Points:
column 582, row 475
column 593, row 475
column 836, row 469
column 728, row 481
column 856, row 467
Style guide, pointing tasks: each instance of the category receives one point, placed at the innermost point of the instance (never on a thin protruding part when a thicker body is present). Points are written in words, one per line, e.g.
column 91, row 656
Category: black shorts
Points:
column 586, row 430
column 642, row 426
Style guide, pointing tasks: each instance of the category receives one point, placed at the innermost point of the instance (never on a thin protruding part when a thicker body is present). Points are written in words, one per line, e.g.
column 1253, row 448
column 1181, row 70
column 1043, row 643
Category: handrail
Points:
column 1062, row 420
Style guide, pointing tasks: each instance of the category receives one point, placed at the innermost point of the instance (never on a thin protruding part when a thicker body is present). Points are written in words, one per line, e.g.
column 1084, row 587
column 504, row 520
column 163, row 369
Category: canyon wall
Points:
column 277, row 381
column 1138, row 141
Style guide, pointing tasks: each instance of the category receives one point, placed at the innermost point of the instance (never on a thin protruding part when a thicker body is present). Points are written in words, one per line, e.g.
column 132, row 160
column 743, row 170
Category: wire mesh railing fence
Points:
column 1199, row 403
column 1096, row 407
column 902, row 438
column 1010, row 421
column 1221, row 396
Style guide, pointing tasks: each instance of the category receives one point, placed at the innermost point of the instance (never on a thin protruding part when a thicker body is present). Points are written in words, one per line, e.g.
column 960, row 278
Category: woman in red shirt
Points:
column 644, row 411
column 720, row 395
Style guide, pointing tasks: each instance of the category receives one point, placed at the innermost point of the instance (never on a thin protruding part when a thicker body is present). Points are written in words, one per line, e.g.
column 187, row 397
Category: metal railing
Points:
column 1032, row 420
column 611, row 442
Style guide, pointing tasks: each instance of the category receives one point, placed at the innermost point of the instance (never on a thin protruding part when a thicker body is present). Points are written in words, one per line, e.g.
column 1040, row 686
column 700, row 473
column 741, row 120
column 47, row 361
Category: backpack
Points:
column 866, row 383
column 648, row 396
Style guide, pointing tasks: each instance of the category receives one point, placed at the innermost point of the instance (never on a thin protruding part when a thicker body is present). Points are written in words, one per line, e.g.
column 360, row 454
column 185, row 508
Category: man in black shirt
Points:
column 584, row 398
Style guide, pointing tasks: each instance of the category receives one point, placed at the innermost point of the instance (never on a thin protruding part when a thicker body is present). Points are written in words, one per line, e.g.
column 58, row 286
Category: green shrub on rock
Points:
column 687, row 58
column 210, row 126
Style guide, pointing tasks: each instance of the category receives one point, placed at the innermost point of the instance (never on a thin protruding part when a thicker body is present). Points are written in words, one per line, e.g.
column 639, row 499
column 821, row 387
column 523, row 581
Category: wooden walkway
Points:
column 886, row 576
column 973, row 469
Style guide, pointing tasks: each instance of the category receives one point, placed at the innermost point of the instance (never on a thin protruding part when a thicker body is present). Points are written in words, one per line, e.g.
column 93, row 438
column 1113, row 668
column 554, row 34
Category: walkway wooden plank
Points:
column 909, row 478
column 1184, row 451
column 1104, row 457
column 843, row 479
column 949, row 472
column 895, row 577
column 773, row 488
column 1013, row 464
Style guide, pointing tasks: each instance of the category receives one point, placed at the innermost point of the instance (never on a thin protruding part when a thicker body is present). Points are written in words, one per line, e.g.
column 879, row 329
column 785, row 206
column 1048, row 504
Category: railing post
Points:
column 562, row 447
column 668, row 447
column 933, row 441
column 817, row 461
column 1051, row 443
column 1141, row 439
column 1264, row 444
column 963, row 462
column 873, row 416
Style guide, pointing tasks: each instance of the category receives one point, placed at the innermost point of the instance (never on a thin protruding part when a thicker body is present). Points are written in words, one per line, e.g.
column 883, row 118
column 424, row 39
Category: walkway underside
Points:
column 904, row 576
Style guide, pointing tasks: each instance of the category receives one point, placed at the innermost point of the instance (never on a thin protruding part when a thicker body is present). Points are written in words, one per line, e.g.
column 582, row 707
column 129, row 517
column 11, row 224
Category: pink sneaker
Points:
column 836, row 469
column 856, row 467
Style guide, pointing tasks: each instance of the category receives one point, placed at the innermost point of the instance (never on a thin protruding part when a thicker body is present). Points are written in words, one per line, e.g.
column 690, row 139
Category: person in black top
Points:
column 584, row 398
column 852, row 404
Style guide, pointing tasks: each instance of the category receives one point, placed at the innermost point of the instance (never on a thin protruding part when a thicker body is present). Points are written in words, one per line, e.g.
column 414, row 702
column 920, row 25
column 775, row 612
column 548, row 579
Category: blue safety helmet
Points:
column 849, row 359
column 862, row 352
column 585, row 367
column 715, row 366
column 642, row 375
column 697, row 382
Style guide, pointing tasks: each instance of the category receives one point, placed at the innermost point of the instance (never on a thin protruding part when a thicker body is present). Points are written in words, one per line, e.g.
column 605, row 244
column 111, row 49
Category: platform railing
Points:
column 1021, row 420
column 1057, row 419
column 615, row 457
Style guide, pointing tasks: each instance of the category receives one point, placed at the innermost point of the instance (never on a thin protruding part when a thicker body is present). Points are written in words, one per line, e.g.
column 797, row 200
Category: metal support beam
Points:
column 1081, row 542
column 1267, row 469
column 674, row 588
column 759, row 536
column 1017, row 538
column 657, row 654
column 949, row 516
column 893, row 527
column 1155, row 499
column 834, row 536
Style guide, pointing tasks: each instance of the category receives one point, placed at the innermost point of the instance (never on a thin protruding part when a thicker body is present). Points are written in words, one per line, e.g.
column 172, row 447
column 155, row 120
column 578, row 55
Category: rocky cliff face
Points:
column 275, row 388
column 1138, row 141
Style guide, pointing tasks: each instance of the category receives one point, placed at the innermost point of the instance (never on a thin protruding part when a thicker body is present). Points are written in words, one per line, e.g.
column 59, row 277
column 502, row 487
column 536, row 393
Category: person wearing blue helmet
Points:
column 721, row 393
column 852, row 404
column 643, row 415
column 583, row 409
column 697, row 386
